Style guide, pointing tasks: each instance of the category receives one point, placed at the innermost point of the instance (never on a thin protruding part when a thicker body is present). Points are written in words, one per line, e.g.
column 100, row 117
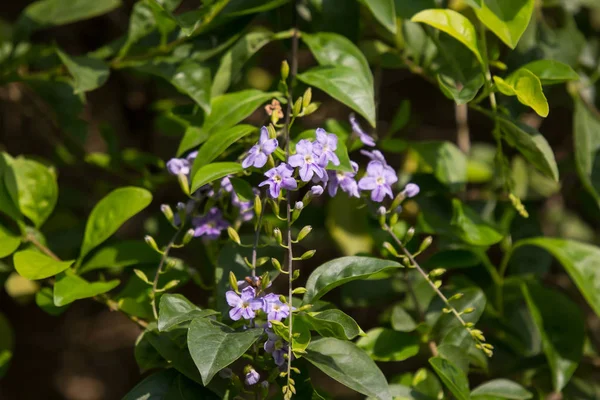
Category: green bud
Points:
column 272, row 132
column 275, row 206
column 308, row 254
column 265, row 280
column 437, row 284
column 425, row 244
column 394, row 219
column 295, row 274
column 456, row 296
column 311, row 108
column 184, row 184
column 446, row 310
column 299, row 290
column 305, row 307
column 410, row 233
column 297, row 106
column 189, row 235
column 257, row 206
column 167, row 212
column 152, row 243
column 397, row 201
column 468, row 310
column 304, row 232
column 391, row 249
column 276, row 264
column 261, row 261
column 277, row 235
column 381, row 213
column 170, row 285
column 233, row 235
column 437, row 272
column 169, row 263
column 282, row 299
column 233, row 282
column 142, row 276
column 306, row 98
column 285, row 70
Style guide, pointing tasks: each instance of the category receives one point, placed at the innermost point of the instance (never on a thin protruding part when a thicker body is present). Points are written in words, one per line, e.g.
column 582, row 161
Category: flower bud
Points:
column 468, row 310
column 437, row 272
column 410, row 233
column 170, row 285
column 257, row 206
column 308, row 254
column 456, row 296
column 152, row 243
column 233, row 282
column 272, row 132
column 285, row 70
column 276, row 264
column 261, row 261
column 189, row 235
column 381, row 213
column 299, row 290
column 312, row 107
column 233, row 235
column 167, row 212
column 296, row 274
column 184, row 184
column 299, row 205
column 140, row 274
column 394, row 219
column 277, row 235
column 297, row 106
column 388, row 246
column 411, row 190
column 306, row 98
column 304, row 232
column 397, row 200
column 425, row 244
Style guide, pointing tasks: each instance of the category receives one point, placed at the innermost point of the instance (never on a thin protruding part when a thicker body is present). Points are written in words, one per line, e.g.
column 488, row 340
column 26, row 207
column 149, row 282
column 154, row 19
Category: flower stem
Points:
column 163, row 260
column 256, row 239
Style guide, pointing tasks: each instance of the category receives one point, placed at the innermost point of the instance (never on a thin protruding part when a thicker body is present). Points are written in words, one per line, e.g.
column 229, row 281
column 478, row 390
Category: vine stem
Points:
column 256, row 239
column 103, row 299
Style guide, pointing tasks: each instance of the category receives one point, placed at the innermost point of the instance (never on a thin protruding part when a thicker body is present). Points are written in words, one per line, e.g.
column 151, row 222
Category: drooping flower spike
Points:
column 259, row 153
column 280, row 177
column 378, row 180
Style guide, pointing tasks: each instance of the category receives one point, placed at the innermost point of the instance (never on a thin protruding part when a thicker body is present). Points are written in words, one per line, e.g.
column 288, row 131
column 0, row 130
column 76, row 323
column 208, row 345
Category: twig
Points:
column 163, row 259
column 462, row 128
column 256, row 239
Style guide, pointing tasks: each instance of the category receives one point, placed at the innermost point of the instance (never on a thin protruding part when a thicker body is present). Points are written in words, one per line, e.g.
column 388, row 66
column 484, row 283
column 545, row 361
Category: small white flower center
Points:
column 245, row 304
column 308, row 159
column 340, row 175
column 380, row 180
column 277, row 178
column 276, row 307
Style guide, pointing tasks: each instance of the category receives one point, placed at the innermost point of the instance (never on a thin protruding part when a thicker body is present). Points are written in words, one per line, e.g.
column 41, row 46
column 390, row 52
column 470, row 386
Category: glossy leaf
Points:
column 89, row 73
column 7, row 205
column 212, row 172
column 345, row 85
column 452, row 377
column 242, row 189
column 110, row 213
column 333, row 323
column 501, row 388
column 401, row 320
column 176, row 309
column 349, row 365
column 9, row 242
column 44, row 299
column 332, row 50
column 389, row 345
column 169, row 385
column 384, row 11
column 586, row 128
column 32, row 186
column 551, row 72
column 214, row 346
column 341, row 270
column 447, row 163
column 528, row 142
column 120, row 254
column 578, row 259
column 232, row 62
column 218, row 143
column 560, row 323
column 471, row 227
column 70, row 287
column 508, row 19
column 33, row 265
column 454, row 24
column 528, row 89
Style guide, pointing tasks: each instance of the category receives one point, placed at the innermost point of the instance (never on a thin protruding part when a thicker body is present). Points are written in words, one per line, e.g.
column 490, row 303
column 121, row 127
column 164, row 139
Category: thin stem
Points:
column 463, row 138
column 256, row 239
column 33, row 240
column 163, row 260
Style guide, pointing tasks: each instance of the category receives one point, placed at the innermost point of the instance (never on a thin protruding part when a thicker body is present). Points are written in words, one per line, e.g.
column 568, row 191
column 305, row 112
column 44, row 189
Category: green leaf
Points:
column 529, row 142
column 214, row 171
column 333, row 323
column 508, row 19
column 341, row 270
column 176, row 309
column 189, row 78
column 32, row 186
column 586, row 127
column 169, row 385
column 448, row 164
column 343, row 84
column 452, row 377
column 578, row 259
column 242, row 189
column 552, row 312
column 214, row 346
column 89, row 73
column 528, row 89
column 301, row 337
column 33, row 265
column 44, row 298
column 471, row 227
column 7, row 205
column 502, row 388
column 9, row 242
column 232, row 62
column 333, row 50
column 384, row 11
column 46, row 13
column 70, row 287
column 218, row 143
column 110, row 213
column 349, row 365
column 454, row 24
column 401, row 320
column 389, row 345
column 7, row 344
column 121, row 254
column 551, row 72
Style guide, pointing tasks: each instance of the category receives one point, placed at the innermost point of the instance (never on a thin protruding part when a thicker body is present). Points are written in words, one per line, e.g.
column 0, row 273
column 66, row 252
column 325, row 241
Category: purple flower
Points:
column 259, row 153
column 246, row 208
column 374, row 155
column 244, row 306
column 252, row 377
column 411, row 190
column 362, row 135
column 316, row 190
column 276, row 347
column 276, row 310
column 210, row 225
column 192, row 157
column 226, row 185
column 345, row 180
column 379, row 179
column 325, row 147
column 307, row 161
column 177, row 166
column 280, row 177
